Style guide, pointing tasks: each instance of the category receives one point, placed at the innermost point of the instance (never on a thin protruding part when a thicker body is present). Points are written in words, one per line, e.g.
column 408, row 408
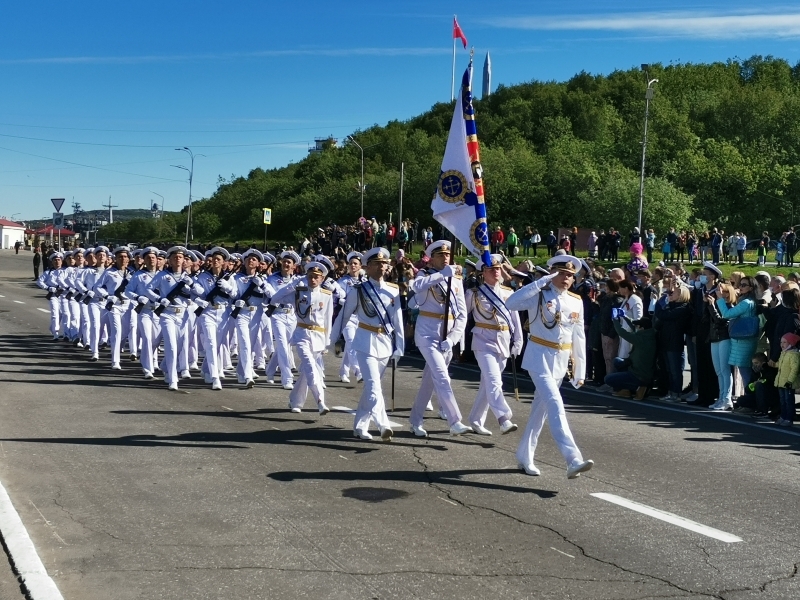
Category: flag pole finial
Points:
column 471, row 52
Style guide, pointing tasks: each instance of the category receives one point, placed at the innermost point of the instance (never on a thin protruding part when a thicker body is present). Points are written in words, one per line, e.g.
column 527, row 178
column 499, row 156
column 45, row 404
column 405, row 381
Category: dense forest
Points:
column 723, row 149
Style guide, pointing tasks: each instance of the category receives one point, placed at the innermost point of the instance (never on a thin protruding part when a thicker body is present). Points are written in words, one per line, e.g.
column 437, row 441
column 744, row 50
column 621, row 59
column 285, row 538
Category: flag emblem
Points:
column 452, row 186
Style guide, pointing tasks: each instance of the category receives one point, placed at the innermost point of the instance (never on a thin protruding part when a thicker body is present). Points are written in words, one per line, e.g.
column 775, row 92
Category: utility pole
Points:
column 191, row 176
column 647, row 97
column 110, row 206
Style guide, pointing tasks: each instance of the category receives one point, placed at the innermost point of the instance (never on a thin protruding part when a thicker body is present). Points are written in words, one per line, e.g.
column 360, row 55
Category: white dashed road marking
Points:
column 44, row 310
column 669, row 518
column 18, row 302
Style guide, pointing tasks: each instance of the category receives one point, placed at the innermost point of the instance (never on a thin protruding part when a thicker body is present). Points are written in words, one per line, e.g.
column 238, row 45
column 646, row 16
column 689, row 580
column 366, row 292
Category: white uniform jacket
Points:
column 380, row 321
column 556, row 330
column 277, row 281
column 314, row 311
column 137, row 288
column 110, row 281
column 260, row 294
column 429, row 287
column 496, row 327
column 164, row 282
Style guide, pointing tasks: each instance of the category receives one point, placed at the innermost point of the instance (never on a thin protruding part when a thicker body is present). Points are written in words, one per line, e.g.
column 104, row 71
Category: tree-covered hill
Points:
column 723, row 149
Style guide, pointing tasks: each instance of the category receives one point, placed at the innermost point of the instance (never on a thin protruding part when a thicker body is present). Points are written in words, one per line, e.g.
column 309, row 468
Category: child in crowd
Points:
column 762, row 254
column 760, row 396
column 788, row 379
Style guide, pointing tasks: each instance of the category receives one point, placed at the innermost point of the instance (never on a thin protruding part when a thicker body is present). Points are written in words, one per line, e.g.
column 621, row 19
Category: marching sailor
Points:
column 111, row 290
column 346, row 281
column 148, row 326
column 378, row 338
column 313, row 306
column 251, row 292
column 496, row 335
column 98, row 321
column 283, row 321
column 80, row 285
column 50, row 280
column 556, row 332
column 73, row 273
column 439, row 327
column 171, row 290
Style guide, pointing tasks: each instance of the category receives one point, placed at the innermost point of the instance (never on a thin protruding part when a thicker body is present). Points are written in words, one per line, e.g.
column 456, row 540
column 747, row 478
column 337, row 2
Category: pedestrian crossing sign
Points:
column 267, row 216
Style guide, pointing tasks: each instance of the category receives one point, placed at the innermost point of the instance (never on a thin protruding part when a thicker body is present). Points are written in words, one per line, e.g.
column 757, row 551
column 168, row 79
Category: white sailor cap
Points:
column 124, row 249
column 355, row 254
column 541, row 270
column 219, row 250
column 316, row 266
column 162, row 254
column 103, row 249
column 290, row 254
column 235, row 256
column 710, row 266
column 137, row 252
column 376, row 254
column 269, row 258
column 196, row 256
column 325, row 261
column 89, row 251
column 440, row 247
column 56, row 255
column 586, row 266
column 470, row 263
column 177, row 250
column 496, row 261
column 566, row 263
column 149, row 250
column 67, row 253
column 78, row 251
column 253, row 252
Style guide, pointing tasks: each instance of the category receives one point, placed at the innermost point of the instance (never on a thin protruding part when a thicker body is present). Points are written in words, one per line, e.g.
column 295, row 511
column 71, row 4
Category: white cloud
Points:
column 679, row 24
column 155, row 58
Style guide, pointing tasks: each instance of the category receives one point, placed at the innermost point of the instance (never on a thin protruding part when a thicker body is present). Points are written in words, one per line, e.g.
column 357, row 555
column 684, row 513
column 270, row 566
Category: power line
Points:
column 22, row 137
column 319, row 128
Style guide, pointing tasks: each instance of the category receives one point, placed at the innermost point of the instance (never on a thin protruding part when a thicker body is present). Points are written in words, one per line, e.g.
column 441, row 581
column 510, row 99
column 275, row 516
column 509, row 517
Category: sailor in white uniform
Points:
column 378, row 338
column 313, row 306
column 50, row 281
column 497, row 334
column 283, row 321
column 439, row 294
column 111, row 289
column 556, row 332
column 148, row 326
column 349, row 361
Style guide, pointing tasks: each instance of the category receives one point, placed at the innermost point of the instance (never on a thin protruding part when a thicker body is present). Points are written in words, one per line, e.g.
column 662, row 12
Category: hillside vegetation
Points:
column 723, row 149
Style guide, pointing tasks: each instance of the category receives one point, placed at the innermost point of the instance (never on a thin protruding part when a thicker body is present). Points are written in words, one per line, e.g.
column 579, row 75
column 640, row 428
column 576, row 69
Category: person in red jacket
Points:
column 498, row 237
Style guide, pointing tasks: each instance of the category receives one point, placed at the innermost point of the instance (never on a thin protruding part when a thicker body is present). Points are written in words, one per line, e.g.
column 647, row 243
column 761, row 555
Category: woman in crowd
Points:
column 735, row 278
column 536, row 239
column 633, row 309
column 763, row 294
column 780, row 320
column 721, row 342
column 637, row 262
column 673, row 316
column 526, row 240
column 742, row 349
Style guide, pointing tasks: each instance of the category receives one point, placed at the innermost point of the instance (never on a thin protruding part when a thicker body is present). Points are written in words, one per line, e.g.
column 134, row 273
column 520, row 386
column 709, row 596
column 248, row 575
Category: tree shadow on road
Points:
column 453, row 477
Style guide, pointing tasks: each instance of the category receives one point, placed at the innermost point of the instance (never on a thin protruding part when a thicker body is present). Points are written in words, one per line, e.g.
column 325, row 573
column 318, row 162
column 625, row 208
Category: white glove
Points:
column 90, row 293
column 257, row 281
column 113, row 299
column 164, row 302
column 142, row 300
column 72, row 290
column 516, row 349
column 200, row 302
column 239, row 304
column 187, row 279
column 447, row 271
column 397, row 355
column 52, row 290
column 445, row 346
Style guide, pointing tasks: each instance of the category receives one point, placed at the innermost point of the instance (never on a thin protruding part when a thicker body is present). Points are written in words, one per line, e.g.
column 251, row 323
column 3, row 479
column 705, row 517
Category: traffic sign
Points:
column 58, row 220
column 57, row 203
column 267, row 216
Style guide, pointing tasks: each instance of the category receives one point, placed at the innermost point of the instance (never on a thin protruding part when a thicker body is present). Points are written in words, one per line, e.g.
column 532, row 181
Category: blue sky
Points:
column 96, row 96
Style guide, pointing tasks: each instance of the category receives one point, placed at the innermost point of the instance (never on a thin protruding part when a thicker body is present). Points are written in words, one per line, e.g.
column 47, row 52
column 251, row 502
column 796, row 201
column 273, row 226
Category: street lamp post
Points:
column 162, row 201
column 361, row 185
column 647, row 97
column 191, row 176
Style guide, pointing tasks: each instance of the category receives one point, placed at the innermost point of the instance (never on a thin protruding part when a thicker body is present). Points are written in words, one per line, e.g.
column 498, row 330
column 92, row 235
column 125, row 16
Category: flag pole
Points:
column 453, row 80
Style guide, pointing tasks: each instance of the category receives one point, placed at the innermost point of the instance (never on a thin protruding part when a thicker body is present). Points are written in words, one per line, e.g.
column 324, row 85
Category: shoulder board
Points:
column 392, row 285
column 574, row 295
column 457, row 277
column 505, row 287
column 324, row 291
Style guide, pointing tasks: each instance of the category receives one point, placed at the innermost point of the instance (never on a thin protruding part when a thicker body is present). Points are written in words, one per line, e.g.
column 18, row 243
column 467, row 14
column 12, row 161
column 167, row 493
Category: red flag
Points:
column 457, row 33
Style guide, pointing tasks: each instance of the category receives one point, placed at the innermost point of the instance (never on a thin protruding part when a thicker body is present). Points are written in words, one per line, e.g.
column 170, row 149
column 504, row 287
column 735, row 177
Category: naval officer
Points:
column 556, row 332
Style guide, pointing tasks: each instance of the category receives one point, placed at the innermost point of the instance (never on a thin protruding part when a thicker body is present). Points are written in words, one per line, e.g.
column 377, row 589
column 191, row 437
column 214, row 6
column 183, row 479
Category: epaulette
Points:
column 505, row 287
column 574, row 295
column 457, row 277
column 392, row 285
column 324, row 291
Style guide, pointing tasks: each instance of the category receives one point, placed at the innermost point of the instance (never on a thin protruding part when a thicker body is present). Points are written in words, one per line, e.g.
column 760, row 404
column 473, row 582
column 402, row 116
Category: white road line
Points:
column 1, row 296
column 18, row 302
column 560, row 552
column 44, row 310
column 669, row 518
column 39, row 585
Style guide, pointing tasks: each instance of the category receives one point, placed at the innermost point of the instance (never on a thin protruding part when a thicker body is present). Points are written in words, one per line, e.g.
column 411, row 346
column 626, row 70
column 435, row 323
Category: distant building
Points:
column 11, row 233
column 321, row 144
column 487, row 77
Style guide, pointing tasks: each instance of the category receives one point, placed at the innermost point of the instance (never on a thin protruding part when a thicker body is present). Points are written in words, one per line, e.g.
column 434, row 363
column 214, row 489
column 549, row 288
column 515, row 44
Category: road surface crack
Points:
column 57, row 502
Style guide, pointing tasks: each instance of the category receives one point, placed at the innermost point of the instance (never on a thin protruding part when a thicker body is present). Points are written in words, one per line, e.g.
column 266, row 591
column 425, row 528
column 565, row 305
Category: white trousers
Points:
column 85, row 330
column 310, row 377
column 435, row 378
column 490, row 390
column 248, row 329
column 371, row 405
column 192, row 334
column 547, row 404
column 176, row 345
column 74, row 320
column 55, row 316
column 133, row 330
column 282, row 357
column 65, row 316
column 119, row 326
column 98, row 319
column 210, row 323
column 350, row 360
column 148, row 327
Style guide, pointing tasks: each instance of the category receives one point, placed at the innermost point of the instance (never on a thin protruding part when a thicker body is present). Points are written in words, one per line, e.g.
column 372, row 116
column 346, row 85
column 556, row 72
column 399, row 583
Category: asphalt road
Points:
column 131, row 492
